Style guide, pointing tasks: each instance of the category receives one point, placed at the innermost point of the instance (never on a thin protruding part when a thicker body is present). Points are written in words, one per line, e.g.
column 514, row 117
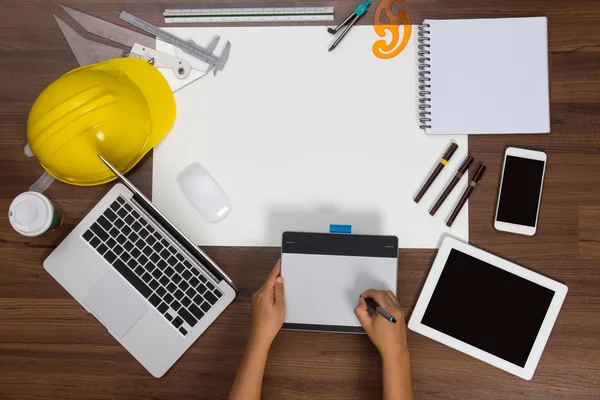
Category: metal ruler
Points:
column 265, row 14
column 42, row 183
column 188, row 47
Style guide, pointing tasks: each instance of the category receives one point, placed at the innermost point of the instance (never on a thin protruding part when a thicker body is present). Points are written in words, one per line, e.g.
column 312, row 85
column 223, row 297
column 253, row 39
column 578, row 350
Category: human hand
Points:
column 389, row 338
column 268, row 309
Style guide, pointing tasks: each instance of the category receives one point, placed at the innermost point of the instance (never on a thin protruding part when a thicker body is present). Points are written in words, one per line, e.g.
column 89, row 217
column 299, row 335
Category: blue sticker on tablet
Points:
column 334, row 228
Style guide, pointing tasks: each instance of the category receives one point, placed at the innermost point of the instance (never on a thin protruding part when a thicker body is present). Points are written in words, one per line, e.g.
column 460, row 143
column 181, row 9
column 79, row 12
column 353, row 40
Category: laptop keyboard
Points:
column 146, row 259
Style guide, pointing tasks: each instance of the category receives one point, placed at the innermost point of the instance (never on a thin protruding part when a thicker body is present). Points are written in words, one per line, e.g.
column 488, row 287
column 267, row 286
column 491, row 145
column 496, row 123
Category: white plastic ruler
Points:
column 263, row 14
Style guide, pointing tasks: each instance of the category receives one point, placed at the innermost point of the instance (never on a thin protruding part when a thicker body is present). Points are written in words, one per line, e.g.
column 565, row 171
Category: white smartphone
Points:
column 520, row 191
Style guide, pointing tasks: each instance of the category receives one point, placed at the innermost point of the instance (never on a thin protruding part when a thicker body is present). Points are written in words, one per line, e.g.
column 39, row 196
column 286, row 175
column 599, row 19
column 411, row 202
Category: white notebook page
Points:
column 489, row 76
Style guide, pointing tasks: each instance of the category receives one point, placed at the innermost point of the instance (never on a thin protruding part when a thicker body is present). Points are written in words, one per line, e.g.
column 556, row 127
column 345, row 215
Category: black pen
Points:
column 466, row 194
column 461, row 171
column 436, row 171
column 380, row 310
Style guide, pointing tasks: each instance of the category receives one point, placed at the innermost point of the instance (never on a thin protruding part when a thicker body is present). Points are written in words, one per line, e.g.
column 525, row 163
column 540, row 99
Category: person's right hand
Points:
column 389, row 338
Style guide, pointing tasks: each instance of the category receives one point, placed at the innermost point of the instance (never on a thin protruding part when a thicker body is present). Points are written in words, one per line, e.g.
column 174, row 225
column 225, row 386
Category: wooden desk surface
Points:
column 50, row 347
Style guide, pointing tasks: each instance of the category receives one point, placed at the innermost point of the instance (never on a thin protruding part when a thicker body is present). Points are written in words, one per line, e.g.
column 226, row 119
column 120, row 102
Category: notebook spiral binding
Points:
column 424, row 79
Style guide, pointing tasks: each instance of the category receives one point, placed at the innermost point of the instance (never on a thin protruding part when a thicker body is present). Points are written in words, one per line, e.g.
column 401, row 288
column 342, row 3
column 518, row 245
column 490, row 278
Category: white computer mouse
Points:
column 204, row 193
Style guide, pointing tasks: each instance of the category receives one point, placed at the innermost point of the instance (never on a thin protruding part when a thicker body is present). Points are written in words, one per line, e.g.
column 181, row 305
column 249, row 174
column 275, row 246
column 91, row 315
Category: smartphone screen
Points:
column 520, row 191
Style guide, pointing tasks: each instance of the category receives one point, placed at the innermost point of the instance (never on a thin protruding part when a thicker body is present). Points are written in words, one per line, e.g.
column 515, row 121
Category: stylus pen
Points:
column 461, row 171
column 467, row 193
column 380, row 310
column 438, row 168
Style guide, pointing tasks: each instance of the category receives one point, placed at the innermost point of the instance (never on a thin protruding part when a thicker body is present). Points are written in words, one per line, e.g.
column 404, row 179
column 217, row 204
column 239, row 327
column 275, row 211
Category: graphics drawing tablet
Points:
column 325, row 274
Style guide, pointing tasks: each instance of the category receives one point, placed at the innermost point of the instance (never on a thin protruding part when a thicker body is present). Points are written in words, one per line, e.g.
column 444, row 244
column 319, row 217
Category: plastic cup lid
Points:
column 31, row 214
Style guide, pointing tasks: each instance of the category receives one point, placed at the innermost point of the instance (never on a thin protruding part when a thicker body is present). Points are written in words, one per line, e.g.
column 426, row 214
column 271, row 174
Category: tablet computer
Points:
column 325, row 274
column 487, row 307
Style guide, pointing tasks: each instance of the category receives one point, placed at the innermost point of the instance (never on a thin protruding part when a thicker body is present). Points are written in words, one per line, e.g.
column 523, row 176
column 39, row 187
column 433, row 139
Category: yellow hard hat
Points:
column 119, row 108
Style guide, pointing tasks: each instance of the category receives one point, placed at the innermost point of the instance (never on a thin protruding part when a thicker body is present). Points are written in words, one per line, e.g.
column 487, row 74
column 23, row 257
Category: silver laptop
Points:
column 149, row 285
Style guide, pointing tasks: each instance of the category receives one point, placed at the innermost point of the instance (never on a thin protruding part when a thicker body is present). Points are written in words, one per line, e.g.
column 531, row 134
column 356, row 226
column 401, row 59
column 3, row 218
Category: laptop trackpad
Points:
column 114, row 304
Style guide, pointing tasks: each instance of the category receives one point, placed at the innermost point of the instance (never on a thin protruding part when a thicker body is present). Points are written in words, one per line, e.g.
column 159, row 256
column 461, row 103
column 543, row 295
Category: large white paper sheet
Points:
column 300, row 138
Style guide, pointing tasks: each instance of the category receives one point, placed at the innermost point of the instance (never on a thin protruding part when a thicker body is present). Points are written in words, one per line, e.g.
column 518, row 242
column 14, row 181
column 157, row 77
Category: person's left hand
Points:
column 268, row 309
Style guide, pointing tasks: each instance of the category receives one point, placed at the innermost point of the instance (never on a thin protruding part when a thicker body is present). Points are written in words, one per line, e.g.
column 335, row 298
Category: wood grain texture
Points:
column 51, row 348
column 589, row 234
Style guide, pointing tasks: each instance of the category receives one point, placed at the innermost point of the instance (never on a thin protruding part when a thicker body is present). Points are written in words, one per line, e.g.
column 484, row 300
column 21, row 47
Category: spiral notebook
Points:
column 484, row 76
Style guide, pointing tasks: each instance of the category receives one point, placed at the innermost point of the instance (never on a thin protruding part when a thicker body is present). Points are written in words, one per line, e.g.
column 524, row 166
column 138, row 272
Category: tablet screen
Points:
column 487, row 307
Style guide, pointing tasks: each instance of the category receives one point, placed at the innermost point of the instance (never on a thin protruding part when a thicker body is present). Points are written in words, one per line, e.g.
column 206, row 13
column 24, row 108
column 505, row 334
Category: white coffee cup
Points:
column 32, row 214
